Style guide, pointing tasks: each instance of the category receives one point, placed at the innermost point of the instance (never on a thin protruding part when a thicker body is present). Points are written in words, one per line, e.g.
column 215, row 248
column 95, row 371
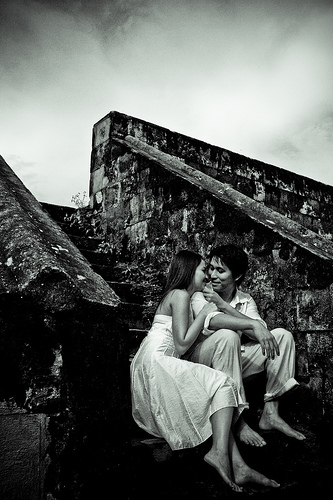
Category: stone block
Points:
column 23, row 441
column 98, row 180
column 313, row 310
column 102, row 131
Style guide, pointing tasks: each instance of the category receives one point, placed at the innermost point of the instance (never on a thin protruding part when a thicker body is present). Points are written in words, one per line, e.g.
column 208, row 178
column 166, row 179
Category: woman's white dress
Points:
column 173, row 398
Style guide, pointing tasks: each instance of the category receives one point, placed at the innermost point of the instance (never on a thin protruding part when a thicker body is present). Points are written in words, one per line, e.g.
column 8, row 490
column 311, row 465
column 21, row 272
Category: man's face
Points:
column 220, row 275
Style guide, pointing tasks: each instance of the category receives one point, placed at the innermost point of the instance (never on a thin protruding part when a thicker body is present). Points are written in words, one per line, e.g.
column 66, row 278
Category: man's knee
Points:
column 226, row 338
column 219, row 348
column 282, row 335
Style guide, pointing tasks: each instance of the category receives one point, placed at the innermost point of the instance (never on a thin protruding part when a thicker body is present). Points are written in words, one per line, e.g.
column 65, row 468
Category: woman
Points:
column 184, row 402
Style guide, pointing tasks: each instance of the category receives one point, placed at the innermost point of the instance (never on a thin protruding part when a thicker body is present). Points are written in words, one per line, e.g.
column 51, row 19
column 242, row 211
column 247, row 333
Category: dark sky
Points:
column 255, row 77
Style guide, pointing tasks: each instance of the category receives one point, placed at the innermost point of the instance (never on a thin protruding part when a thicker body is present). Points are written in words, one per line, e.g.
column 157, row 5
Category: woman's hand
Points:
column 208, row 308
column 214, row 297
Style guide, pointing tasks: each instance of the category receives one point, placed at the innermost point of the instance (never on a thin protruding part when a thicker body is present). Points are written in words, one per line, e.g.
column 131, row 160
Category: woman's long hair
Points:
column 181, row 272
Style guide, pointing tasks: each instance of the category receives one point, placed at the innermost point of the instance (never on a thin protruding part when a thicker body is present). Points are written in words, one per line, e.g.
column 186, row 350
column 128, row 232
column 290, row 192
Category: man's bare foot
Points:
column 273, row 421
column 249, row 436
column 220, row 462
column 245, row 475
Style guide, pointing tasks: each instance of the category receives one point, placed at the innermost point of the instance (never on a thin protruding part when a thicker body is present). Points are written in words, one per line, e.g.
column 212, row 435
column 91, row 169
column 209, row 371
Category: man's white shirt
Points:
column 242, row 302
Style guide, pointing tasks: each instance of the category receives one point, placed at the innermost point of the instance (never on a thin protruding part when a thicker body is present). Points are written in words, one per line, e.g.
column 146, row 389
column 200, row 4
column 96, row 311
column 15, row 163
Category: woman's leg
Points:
column 242, row 473
column 218, row 456
column 225, row 457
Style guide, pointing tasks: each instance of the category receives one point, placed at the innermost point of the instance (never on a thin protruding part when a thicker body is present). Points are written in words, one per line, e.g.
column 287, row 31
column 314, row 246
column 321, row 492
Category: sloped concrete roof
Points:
column 36, row 257
column 278, row 223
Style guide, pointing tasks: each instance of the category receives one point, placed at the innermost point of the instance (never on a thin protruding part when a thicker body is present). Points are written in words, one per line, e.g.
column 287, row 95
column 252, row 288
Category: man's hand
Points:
column 269, row 346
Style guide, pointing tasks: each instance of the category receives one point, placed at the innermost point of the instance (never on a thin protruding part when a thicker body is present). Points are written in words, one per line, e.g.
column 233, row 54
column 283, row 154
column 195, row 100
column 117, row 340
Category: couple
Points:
column 187, row 402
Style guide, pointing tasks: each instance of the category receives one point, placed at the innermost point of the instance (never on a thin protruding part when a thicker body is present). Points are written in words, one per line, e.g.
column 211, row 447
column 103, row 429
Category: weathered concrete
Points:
column 63, row 360
column 30, row 236
column 291, row 230
column 159, row 191
column 23, row 444
column 302, row 468
column 297, row 197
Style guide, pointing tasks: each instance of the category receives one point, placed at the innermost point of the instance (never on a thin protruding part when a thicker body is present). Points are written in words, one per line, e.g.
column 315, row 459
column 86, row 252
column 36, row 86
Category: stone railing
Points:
column 299, row 198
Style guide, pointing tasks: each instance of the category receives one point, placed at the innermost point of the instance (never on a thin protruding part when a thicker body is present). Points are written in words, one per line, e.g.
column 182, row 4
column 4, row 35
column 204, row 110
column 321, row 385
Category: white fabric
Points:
column 173, row 398
column 222, row 350
column 242, row 302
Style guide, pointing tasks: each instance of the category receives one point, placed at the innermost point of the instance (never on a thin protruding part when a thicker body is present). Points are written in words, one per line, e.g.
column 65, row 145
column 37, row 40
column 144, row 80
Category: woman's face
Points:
column 200, row 277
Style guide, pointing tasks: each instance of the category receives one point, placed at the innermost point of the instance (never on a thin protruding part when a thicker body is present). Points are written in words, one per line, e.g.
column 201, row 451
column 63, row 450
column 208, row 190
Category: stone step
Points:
column 107, row 272
column 158, row 447
column 96, row 258
column 128, row 292
column 74, row 230
column 303, row 468
column 58, row 212
column 131, row 294
column 136, row 336
column 86, row 242
column 135, row 315
column 156, row 468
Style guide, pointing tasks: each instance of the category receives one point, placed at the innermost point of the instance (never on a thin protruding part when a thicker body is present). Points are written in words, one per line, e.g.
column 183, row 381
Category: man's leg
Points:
column 280, row 373
column 222, row 351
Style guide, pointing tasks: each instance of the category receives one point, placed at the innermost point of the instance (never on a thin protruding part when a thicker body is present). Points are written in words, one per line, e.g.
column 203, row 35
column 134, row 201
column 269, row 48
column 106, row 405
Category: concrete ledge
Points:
column 289, row 229
column 37, row 257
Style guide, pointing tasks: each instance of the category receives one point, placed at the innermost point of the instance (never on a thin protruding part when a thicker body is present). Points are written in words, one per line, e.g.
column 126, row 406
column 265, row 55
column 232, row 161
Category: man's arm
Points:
column 251, row 327
column 197, row 302
column 231, row 319
column 223, row 306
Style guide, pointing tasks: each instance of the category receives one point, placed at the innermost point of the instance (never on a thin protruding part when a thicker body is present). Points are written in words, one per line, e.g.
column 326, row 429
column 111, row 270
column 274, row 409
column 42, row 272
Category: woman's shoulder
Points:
column 179, row 294
column 174, row 297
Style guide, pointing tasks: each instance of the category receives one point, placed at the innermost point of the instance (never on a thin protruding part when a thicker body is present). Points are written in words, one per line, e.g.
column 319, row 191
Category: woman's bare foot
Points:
column 273, row 421
column 221, row 463
column 248, row 436
column 244, row 475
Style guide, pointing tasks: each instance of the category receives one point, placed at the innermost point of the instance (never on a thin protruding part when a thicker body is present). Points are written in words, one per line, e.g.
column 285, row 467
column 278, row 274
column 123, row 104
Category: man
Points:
column 220, row 346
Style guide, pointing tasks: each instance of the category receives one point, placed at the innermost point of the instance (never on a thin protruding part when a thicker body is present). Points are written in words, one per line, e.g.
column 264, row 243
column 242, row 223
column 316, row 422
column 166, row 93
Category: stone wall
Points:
column 300, row 198
column 63, row 361
column 148, row 212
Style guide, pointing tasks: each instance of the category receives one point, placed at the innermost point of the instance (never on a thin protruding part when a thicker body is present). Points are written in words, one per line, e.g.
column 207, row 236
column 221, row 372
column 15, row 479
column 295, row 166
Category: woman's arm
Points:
column 185, row 333
column 225, row 307
column 230, row 317
column 253, row 326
